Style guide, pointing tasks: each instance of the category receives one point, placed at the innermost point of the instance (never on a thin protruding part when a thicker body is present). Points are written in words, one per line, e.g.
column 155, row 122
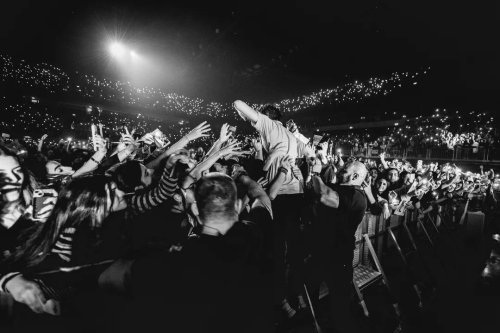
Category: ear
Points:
column 238, row 205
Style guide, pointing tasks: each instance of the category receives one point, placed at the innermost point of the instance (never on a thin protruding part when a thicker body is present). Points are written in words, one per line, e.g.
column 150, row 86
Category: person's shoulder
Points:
column 262, row 120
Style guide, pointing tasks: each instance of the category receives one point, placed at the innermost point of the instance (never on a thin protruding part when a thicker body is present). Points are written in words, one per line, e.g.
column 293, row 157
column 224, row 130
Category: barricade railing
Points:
column 456, row 154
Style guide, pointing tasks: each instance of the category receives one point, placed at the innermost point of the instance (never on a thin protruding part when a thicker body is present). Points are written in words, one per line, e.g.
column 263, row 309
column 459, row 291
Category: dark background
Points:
column 266, row 51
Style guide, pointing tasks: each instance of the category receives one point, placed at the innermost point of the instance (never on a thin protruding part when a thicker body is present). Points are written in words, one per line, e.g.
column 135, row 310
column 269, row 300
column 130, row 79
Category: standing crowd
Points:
column 152, row 235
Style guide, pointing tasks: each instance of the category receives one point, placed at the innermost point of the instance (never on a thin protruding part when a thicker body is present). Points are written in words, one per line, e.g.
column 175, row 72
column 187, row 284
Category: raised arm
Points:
column 164, row 190
column 210, row 160
column 328, row 197
column 383, row 161
column 40, row 142
column 95, row 160
column 199, row 131
column 245, row 111
column 223, row 137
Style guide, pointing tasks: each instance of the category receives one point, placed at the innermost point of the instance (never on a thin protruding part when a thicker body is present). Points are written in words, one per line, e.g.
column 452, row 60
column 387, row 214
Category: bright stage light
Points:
column 133, row 54
column 117, row 49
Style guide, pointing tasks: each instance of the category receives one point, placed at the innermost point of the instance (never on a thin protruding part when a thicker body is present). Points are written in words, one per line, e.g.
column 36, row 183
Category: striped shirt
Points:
column 157, row 195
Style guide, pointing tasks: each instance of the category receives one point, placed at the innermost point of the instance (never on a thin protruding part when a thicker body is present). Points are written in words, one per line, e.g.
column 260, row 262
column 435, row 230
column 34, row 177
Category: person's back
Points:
column 210, row 285
column 217, row 281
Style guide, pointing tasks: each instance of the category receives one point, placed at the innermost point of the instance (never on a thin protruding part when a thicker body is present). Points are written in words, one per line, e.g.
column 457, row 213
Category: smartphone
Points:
column 93, row 129
column 232, row 129
column 39, row 197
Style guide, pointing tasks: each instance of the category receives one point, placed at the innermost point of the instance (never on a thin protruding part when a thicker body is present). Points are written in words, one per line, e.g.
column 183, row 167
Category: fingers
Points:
column 199, row 131
column 128, row 139
column 262, row 182
column 52, row 307
column 50, row 203
column 147, row 139
column 202, row 124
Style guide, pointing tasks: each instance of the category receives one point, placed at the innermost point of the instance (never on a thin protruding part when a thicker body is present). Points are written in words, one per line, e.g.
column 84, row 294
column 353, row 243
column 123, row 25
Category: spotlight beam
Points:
column 117, row 49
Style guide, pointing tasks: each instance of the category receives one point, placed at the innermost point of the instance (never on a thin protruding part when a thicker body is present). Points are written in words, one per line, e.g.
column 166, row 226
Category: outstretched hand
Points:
column 225, row 134
column 257, row 144
column 198, row 132
column 233, row 147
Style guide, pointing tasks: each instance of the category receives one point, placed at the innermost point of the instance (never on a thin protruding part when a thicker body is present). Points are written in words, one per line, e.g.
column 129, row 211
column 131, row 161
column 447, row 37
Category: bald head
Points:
column 353, row 173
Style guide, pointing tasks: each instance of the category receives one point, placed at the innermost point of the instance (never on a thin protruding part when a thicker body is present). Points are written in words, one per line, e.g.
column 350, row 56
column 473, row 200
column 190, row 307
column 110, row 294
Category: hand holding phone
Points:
column 43, row 202
column 93, row 128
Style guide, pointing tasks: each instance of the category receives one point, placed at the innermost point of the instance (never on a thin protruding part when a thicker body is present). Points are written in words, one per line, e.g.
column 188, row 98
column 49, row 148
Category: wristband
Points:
column 94, row 160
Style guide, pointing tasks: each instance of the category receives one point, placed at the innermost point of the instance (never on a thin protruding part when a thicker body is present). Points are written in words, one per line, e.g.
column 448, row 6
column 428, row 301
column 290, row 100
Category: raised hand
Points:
column 45, row 212
column 231, row 148
column 367, row 186
column 148, row 139
column 160, row 141
column 324, row 146
column 225, row 134
column 100, row 144
column 128, row 139
column 198, row 132
column 257, row 144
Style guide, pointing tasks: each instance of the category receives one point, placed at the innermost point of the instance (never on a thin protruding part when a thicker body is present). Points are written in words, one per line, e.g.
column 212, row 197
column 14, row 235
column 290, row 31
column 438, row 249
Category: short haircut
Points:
column 215, row 195
column 271, row 111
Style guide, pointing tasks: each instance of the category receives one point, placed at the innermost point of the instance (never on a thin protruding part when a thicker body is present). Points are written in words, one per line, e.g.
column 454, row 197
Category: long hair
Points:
column 127, row 176
column 83, row 201
column 27, row 187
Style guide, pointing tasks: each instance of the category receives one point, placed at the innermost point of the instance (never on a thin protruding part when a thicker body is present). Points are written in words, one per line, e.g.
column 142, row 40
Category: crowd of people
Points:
column 52, row 79
column 438, row 130
column 148, row 233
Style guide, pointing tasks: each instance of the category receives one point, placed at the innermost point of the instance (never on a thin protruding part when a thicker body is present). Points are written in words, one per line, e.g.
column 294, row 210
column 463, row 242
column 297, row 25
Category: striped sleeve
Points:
column 164, row 190
column 63, row 247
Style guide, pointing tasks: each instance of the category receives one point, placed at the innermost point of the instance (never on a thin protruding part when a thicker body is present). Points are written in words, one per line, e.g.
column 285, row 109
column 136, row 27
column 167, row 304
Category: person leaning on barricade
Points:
column 340, row 209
